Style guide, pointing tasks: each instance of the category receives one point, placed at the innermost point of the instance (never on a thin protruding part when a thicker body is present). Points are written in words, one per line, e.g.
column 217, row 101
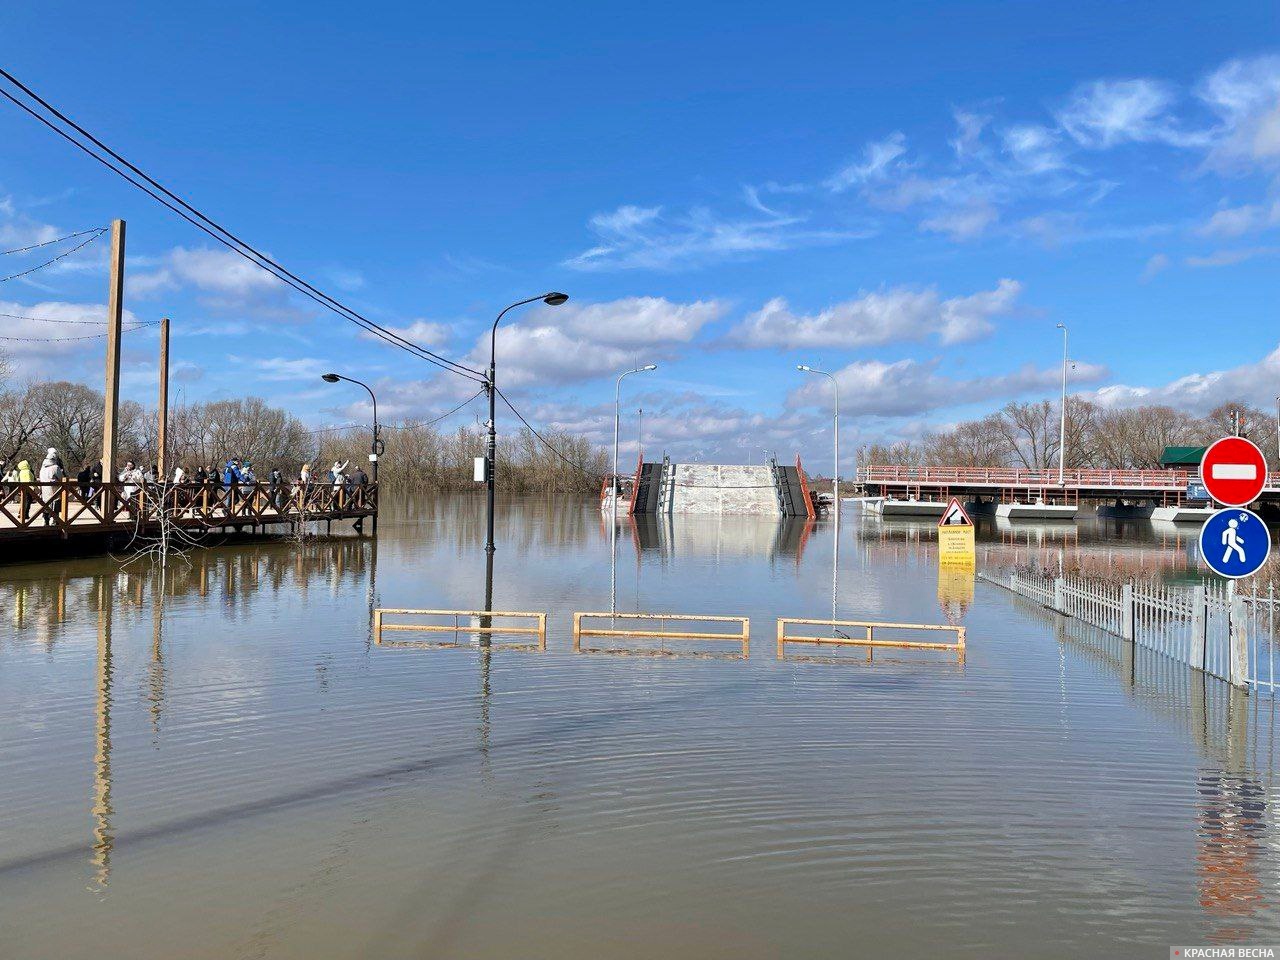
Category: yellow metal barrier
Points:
column 743, row 636
column 538, row 629
column 870, row 641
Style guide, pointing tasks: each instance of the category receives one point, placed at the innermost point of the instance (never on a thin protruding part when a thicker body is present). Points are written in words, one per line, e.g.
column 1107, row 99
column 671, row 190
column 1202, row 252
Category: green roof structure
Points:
column 1182, row 456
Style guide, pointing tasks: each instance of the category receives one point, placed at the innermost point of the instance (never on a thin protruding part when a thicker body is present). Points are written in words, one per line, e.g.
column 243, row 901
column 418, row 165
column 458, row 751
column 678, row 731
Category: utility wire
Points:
column 61, row 256
column 577, row 466
column 442, row 416
column 14, row 316
column 220, row 233
column 401, row 426
column 91, row 336
column 46, row 243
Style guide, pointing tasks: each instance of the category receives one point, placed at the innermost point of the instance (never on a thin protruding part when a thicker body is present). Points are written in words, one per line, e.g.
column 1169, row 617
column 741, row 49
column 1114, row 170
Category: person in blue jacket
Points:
column 231, row 479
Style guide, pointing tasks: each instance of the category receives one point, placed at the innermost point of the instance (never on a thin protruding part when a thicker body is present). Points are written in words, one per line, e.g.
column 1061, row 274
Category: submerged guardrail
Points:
column 742, row 637
column 870, row 641
column 538, row 629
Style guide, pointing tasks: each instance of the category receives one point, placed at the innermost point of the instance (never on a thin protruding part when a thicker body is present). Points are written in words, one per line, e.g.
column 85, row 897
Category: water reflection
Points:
column 1138, row 549
column 102, row 810
column 1235, row 808
column 248, row 740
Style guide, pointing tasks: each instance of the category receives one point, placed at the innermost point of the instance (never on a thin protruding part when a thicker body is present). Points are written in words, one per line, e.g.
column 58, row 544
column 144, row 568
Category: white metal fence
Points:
column 1210, row 627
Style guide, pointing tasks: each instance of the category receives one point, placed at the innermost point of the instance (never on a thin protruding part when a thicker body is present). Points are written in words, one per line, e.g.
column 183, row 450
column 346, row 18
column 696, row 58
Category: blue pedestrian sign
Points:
column 1234, row 543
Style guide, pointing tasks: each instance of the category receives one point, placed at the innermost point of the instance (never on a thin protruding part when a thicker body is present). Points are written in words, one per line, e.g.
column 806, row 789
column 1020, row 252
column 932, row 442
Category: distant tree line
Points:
column 1026, row 435
column 68, row 416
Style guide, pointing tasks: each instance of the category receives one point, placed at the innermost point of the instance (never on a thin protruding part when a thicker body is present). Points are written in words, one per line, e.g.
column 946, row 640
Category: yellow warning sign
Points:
column 955, row 536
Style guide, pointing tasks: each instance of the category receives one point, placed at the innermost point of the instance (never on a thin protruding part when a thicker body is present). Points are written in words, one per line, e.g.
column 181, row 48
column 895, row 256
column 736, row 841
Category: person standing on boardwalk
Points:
column 51, row 475
column 23, row 475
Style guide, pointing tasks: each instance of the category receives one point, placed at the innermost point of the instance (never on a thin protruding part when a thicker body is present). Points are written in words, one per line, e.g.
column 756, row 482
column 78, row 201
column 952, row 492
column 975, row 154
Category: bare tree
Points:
column 1031, row 432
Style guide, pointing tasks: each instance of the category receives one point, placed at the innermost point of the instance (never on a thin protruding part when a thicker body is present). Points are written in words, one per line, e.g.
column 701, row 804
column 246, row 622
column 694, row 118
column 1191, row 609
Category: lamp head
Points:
column 554, row 299
column 330, row 377
column 652, row 366
column 806, row 369
column 1062, row 326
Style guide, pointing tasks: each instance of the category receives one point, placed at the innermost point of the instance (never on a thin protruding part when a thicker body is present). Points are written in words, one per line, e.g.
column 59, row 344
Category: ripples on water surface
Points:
column 220, row 764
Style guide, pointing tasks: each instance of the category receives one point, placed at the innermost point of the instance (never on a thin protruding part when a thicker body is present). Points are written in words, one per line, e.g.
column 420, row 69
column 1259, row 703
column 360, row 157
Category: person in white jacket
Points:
column 51, row 475
column 132, row 478
column 339, row 472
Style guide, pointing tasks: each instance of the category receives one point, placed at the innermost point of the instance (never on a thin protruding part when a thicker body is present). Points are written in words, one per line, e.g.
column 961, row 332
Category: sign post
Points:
column 1234, row 543
column 955, row 536
column 1233, row 471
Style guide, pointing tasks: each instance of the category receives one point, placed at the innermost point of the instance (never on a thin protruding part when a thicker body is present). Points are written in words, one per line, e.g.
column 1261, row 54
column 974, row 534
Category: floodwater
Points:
column 218, row 762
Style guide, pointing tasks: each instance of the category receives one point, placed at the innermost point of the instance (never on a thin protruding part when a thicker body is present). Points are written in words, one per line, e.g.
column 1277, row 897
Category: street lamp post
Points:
column 1062, row 430
column 617, row 400
column 835, row 489
column 374, row 449
column 553, row 299
column 835, row 477
column 613, row 488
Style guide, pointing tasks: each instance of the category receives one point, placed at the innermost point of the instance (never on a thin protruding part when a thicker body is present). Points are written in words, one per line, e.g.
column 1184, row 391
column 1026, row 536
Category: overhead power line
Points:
column 401, row 426
column 61, row 256
column 545, row 442
column 167, row 198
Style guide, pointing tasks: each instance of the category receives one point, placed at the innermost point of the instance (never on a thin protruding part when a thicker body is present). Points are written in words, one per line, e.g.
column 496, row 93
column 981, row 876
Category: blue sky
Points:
column 910, row 197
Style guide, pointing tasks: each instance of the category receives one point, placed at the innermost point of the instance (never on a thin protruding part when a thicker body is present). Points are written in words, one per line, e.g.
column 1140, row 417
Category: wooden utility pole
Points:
column 115, row 315
column 162, row 460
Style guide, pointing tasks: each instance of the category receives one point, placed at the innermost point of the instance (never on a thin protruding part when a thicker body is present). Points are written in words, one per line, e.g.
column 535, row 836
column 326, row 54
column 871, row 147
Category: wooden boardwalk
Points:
column 36, row 510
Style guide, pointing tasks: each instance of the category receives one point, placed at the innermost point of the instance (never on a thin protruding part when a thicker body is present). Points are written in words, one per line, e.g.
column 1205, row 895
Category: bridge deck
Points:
column 64, row 509
column 1166, row 487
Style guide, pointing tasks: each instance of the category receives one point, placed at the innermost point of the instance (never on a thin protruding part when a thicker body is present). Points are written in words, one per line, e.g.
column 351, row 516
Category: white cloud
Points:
column 577, row 342
column 880, row 317
column 1245, row 94
column 224, row 280
column 1106, row 113
column 633, row 237
column 1157, row 264
column 878, row 158
column 213, row 271
column 910, row 387
column 425, row 333
column 32, row 342
column 963, row 224
column 1228, row 258
column 1200, row 392
column 300, row 369
column 1237, row 221
column 969, row 129
column 1034, row 148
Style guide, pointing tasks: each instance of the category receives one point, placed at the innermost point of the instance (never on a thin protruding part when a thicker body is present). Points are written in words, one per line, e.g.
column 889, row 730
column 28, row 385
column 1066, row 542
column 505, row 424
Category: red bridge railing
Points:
column 1016, row 477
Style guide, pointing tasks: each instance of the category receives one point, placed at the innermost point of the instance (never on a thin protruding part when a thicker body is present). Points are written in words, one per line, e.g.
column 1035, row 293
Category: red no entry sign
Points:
column 1233, row 471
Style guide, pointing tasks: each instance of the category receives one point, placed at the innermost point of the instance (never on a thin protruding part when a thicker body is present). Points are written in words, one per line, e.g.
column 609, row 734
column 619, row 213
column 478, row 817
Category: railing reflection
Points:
column 42, row 608
column 1234, row 811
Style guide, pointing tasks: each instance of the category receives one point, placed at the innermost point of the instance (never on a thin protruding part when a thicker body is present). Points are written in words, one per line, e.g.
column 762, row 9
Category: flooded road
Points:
column 218, row 762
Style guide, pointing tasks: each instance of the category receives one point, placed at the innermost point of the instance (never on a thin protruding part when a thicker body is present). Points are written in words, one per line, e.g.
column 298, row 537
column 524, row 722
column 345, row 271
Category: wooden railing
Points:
column 1017, row 477
column 69, row 507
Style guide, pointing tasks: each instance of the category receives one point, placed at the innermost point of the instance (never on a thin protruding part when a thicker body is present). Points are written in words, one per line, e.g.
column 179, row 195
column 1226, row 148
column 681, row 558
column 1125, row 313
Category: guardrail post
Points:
column 377, row 626
column 781, row 634
column 1199, row 623
column 1059, row 595
column 1126, row 612
column 577, row 632
column 1239, row 644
